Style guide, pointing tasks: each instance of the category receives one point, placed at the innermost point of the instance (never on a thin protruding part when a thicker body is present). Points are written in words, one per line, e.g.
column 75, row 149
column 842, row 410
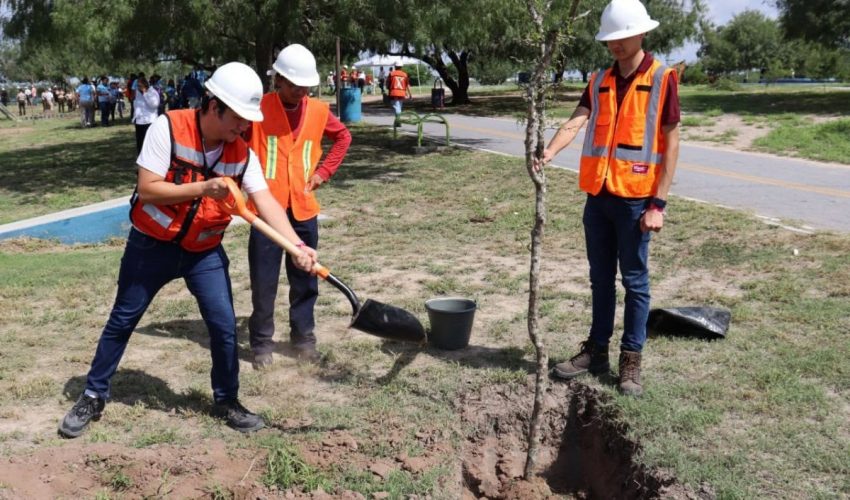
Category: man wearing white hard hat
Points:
column 627, row 164
column 289, row 144
column 177, row 231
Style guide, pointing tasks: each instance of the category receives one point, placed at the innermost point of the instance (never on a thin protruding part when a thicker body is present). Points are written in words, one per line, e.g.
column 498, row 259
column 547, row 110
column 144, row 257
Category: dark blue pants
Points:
column 104, row 113
column 149, row 264
column 613, row 235
column 264, row 257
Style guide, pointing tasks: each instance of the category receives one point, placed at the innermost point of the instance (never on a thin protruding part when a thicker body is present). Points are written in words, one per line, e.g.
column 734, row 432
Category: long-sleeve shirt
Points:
column 146, row 107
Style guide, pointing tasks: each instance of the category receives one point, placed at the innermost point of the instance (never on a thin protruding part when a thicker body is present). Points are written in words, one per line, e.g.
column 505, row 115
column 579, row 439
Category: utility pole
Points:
column 337, row 83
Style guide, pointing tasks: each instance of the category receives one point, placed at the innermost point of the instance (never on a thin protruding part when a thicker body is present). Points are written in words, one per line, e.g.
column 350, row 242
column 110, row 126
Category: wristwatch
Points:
column 658, row 204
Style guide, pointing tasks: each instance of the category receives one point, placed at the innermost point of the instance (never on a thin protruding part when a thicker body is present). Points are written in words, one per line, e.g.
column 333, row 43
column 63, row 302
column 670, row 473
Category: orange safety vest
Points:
column 624, row 149
column 398, row 83
column 289, row 162
column 199, row 224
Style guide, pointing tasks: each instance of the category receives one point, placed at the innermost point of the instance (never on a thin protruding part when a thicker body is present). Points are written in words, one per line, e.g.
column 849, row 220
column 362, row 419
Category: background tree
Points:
column 462, row 32
column 823, row 21
column 749, row 41
column 65, row 37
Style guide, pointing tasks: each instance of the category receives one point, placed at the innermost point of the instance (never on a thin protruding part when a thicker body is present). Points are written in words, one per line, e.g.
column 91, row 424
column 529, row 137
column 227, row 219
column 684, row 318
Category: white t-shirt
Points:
column 156, row 157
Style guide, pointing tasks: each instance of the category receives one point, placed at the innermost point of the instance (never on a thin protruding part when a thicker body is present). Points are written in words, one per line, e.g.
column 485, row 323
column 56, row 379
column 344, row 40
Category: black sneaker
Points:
column 86, row 409
column 239, row 417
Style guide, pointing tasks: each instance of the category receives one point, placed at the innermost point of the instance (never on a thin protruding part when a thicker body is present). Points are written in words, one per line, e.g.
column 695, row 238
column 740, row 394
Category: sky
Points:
column 721, row 12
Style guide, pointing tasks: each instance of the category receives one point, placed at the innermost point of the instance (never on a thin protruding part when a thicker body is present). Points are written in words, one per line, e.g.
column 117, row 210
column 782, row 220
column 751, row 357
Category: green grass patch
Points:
column 78, row 166
column 285, row 469
column 824, row 141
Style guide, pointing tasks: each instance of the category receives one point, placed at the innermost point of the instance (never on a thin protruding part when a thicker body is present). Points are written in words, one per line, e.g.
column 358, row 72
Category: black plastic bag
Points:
column 702, row 322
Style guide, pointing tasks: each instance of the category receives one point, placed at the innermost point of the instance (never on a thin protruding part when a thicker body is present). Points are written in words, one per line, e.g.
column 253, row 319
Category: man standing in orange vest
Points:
column 177, row 231
column 628, row 160
column 289, row 144
column 399, row 85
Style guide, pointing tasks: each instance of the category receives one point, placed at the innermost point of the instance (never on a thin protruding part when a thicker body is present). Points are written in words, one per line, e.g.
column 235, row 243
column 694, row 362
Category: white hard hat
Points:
column 624, row 19
column 238, row 86
column 398, row 63
column 297, row 64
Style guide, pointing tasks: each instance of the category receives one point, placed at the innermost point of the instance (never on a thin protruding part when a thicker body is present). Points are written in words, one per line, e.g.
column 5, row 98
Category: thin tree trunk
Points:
column 534, row 144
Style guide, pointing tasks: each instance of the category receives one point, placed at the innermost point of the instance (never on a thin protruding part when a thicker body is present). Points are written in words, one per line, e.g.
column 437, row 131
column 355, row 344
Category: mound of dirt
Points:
column 584, row 451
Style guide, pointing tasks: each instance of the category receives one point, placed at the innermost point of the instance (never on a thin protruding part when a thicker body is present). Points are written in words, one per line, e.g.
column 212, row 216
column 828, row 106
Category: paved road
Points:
column 799, row 194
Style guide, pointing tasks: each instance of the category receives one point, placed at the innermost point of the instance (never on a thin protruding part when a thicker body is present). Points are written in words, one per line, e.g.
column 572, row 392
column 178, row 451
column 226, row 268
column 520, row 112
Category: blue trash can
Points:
column 349, row 102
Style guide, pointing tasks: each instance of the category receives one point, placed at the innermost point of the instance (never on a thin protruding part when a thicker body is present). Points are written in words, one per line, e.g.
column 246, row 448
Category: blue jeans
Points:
column 397, row 105
column 264, row 257
column 612, row 233
column 148, row 264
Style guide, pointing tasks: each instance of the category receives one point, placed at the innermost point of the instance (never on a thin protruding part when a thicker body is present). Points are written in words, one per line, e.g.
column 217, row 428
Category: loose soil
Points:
column 584, row 451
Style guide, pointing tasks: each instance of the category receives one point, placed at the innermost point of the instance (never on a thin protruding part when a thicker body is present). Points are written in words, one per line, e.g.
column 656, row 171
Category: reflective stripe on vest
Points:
column 306, row 162
column 628, row 170
column 271, row 158
column 157, row 215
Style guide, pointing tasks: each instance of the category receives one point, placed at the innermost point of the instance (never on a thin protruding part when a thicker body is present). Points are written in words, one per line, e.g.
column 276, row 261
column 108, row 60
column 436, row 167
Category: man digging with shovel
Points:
column 177, row 230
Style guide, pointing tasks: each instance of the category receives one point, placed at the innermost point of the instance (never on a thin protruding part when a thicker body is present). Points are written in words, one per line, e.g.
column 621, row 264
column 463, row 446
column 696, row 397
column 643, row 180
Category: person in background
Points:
column 399, row 85
column 114, row 91
column 330, row 82
column 86, row 99
column 145, row 110
column 47, row 99
column 191, row 92
column 627, row 166
column 60, row 99
column 343, row 77
column 22, row 102
column 171, row 94
column 289, row 144
column 382, row 78
column 4, row 97
column 177, row 231
column 103, row 101
column 130, row 92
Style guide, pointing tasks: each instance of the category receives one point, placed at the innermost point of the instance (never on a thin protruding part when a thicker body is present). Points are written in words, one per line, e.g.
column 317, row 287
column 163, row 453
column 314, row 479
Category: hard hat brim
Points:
column 249, row 113
column 304, row 81
column 650, row 25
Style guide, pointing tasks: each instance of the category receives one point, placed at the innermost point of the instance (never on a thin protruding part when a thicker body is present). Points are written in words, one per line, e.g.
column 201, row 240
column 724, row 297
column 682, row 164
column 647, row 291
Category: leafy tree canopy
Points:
column 823, row 21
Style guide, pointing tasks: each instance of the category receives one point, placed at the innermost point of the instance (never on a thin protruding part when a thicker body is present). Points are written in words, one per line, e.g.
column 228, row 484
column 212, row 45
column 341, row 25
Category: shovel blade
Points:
column 389, row 322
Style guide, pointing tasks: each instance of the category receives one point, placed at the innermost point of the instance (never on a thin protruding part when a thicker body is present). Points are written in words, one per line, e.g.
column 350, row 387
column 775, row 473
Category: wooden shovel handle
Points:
column 235, row 205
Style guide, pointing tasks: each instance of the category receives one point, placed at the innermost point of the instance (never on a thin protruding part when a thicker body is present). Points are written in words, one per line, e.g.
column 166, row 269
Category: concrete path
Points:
column 799, row 194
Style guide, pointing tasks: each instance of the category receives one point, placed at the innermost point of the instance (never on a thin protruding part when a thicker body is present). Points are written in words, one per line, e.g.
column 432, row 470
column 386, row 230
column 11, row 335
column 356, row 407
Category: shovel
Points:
column 373, row 317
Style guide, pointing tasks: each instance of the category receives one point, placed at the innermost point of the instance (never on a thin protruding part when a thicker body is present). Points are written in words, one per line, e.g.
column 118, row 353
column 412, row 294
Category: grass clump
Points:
column 285, row 469
column 824, row 141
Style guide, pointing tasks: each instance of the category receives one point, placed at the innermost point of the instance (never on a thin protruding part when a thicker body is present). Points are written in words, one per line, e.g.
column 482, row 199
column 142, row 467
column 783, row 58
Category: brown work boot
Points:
column 591, row 358
column 630, row 373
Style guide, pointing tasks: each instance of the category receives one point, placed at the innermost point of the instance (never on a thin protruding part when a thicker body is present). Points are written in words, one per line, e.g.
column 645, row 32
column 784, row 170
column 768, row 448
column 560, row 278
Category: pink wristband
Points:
column 300, row 244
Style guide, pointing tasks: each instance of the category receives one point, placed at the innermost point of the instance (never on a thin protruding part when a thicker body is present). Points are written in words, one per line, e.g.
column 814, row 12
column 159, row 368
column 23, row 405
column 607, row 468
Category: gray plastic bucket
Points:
column 451, row 322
